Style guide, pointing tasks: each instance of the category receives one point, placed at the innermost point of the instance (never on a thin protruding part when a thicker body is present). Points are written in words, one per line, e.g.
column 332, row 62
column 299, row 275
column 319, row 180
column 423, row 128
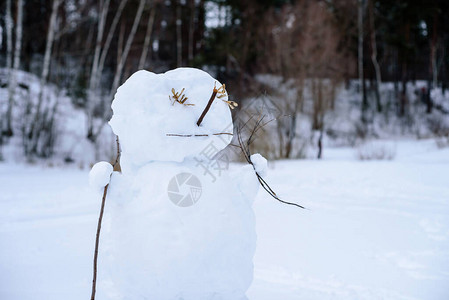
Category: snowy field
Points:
column 372, row 229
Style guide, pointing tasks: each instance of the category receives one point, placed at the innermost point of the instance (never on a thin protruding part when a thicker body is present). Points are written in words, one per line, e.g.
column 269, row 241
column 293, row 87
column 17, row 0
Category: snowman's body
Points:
column 154, row 246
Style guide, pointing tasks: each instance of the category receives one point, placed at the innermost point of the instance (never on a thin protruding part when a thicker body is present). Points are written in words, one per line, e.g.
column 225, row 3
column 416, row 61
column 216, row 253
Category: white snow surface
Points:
column 144, row 116
column 372, row 229
column 100, row 174
column 158, row 250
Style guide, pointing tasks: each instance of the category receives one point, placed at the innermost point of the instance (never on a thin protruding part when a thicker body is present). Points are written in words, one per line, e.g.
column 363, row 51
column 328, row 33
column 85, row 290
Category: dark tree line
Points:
column 88, row 48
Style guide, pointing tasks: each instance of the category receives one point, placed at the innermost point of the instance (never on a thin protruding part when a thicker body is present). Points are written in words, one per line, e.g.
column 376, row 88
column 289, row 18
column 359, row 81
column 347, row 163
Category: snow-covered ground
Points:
column 372, row 229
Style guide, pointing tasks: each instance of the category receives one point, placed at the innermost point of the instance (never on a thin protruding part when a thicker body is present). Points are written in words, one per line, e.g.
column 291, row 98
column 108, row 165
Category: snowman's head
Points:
column 153, row 126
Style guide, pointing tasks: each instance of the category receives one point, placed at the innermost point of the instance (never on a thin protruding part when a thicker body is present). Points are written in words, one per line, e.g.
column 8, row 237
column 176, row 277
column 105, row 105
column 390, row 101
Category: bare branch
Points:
column 245, row 147
column 194, row 135
column 206, row 109
column 97, row 242
column 100, row 219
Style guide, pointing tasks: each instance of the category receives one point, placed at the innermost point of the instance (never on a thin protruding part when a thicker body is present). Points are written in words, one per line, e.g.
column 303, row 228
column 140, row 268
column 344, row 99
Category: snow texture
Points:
column 171, row 233
column 373, row 229
column 145, row 116
column 100, row 175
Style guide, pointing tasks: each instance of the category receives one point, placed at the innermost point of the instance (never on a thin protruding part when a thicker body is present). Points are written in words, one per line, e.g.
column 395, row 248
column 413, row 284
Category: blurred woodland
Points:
column 85, row 49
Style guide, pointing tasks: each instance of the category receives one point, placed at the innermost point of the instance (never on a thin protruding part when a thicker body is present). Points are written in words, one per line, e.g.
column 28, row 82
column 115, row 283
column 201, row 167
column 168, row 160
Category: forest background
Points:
column 327, row 72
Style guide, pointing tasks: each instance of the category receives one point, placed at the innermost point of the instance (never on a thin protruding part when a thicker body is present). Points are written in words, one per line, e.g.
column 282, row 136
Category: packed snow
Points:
column 372, row 229
column 100, row 174
column 169, row 235
column 146, row 116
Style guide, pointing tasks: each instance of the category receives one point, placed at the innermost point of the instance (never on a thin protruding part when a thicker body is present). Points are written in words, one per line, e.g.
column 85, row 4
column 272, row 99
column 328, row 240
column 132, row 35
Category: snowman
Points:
column 179, row 223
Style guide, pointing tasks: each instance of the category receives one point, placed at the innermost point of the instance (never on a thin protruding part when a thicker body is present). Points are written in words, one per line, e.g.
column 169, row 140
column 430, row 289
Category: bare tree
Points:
column 124, row 56
column 191, row 29
column 178, row 34
column 433, row 68
column 403, row 98
column 36, row 125
column 92, row 92
column 107, row 44
column 9, row 25
column 374, row 55
column 7, row 128
column 302, row 45
column 146, row 43
column 103, row 10
column 360, row 58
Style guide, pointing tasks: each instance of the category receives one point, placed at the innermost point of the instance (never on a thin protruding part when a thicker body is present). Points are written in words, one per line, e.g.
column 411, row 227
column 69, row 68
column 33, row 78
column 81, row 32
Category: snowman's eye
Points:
column 179, row 97
column 221, row 91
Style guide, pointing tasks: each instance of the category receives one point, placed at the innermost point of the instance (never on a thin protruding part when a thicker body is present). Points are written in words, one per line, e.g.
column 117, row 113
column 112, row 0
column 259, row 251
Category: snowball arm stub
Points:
column 100, row 174
column 145, row 115
column 260, row 164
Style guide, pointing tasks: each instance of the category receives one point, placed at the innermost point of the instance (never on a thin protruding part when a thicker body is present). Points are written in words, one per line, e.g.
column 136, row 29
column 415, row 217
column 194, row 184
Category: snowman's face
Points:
column 155, row 116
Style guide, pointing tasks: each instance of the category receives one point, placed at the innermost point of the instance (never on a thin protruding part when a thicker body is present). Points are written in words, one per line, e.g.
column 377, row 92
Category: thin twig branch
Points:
column 97, row 242
column 100, row 219
column 245, row 147
column 117, row 158
column 267, row 188
column 194, row 135
column 206, row 109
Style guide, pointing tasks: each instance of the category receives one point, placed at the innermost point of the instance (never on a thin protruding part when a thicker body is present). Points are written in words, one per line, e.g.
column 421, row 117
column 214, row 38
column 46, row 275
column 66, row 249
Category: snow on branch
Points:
column 245, row 148
column 115, row 165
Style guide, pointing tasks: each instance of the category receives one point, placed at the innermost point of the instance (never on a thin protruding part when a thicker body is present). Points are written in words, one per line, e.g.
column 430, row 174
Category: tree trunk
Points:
column 92, row 135
column 6, row 128
column 432, row 81
column 107, row 44
column 191, row 30
column 281, row 139
column 374, row 56
column 245, row 47
column 178, row 34
column 35, row 127
column 9, row 25
column 320, row 142
column 92, row 92
column 103, row 9
column 146, row 43
column 403, row 97
column 121, row 38
column 201, row 27
column 360, row 58
column 129, row 41
column 48, row 47
column 292, row 130
column 121, row 60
